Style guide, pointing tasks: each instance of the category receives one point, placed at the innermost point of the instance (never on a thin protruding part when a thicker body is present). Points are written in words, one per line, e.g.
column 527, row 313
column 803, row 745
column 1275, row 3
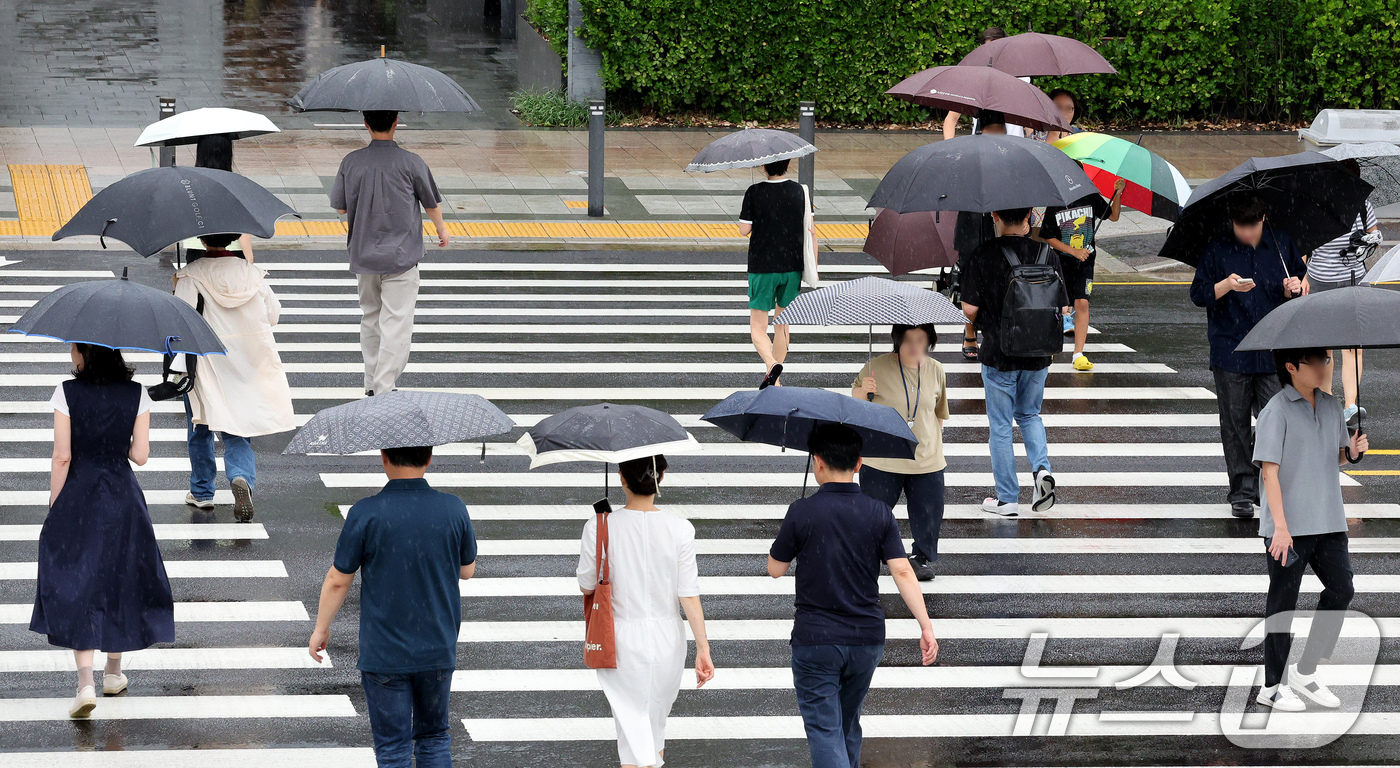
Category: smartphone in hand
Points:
column 1290, row 560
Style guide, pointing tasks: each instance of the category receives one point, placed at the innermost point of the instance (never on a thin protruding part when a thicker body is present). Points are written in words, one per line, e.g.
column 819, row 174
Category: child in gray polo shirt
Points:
column 1300, row 441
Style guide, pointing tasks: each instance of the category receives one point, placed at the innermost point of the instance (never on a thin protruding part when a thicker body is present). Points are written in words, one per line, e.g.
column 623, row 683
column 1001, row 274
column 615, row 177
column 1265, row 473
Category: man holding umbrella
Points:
column 1242, row 275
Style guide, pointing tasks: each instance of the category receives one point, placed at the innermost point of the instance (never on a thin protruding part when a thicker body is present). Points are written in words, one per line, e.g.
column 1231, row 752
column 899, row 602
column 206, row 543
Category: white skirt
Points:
column 650, row 662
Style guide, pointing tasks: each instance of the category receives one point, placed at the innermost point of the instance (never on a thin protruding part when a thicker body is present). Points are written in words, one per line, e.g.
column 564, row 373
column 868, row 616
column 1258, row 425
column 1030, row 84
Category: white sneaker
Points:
column 1280, row 697
column 996, row 507
column 1043, row 491
column 1310, row 687
column 113, row 684
column 201, row 503
column 84, row 702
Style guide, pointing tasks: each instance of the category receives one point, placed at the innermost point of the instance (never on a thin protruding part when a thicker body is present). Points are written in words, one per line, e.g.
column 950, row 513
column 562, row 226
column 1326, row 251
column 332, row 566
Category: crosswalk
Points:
column 1140, row 546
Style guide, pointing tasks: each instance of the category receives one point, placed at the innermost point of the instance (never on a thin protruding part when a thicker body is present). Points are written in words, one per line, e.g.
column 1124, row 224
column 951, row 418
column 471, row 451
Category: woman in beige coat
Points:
column 243, row 393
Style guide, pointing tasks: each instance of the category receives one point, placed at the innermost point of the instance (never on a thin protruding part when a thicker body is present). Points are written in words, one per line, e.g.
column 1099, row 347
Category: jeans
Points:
column 831, row 682
column 238, row 457
column 1018, row 395
column 1240, row 396
column 925, row 496
column 1328, row 555
column 409, row 719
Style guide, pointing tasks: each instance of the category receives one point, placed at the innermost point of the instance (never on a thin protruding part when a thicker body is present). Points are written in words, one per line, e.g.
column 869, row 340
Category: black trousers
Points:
column 1240, row 396
column 1328, row 555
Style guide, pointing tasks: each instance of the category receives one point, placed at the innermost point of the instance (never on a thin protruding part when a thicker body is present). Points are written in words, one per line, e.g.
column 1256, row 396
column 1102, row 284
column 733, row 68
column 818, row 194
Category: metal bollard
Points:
column 595, row 158
column 807, row 130
column 167, row 109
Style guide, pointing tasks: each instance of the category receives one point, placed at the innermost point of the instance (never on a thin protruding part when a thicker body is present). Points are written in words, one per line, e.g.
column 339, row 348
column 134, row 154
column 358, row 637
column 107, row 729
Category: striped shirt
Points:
column 1330, row 264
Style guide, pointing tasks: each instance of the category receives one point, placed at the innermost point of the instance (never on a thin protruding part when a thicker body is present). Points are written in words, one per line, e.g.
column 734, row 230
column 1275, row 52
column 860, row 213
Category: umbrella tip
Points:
column 124, row 269
column 381, row 51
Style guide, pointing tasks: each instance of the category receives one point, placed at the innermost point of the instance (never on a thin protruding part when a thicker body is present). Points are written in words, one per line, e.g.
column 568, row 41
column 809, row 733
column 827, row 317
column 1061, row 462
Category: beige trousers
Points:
column 386, row 331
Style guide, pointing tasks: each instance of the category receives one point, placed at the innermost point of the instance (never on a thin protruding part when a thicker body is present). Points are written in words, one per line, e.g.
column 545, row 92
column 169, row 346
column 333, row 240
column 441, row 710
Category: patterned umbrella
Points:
column 1380, row 167
column 749, row 148
column 1155, row 186
column 401, row 418
column 870, row 301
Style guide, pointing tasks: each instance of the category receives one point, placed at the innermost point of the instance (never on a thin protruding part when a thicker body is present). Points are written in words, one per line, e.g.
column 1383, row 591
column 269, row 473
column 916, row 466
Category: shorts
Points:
column 1079, row 277
column 768, row 290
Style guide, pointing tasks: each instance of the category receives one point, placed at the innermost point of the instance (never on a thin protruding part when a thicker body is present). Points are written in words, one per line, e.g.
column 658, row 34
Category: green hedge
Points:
column 1177, row 59
column 551, row 17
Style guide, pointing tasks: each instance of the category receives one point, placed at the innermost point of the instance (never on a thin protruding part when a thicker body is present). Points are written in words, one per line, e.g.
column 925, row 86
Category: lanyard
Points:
column 918, row 391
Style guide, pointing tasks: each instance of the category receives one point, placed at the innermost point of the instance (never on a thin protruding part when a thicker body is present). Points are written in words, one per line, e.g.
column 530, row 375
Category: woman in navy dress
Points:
column 102, row 584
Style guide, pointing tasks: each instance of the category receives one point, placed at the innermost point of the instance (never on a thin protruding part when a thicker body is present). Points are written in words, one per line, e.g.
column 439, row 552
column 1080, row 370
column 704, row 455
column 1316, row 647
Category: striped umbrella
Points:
column 870, row 301
column 1155, row 186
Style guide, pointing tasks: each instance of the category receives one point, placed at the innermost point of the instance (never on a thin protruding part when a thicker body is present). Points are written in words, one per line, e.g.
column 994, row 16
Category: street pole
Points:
column 595, row 158
column 807, row 130
column 167, row 109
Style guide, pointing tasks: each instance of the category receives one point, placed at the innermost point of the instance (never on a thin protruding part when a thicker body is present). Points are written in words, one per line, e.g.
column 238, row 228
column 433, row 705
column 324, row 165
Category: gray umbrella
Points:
column 401, row 418
column 152, row 209
column 749, row 148
column 1387, row 269
column 122, row 315
column 1380, row 167
column 980, row 174
column 383, row 84
column 605, row 432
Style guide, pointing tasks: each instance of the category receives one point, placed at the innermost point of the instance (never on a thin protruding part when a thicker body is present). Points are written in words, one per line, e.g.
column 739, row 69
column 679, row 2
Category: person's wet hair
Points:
column 1282, row 357
column 776, row 168
column 214, row 151
column 897, row 334
column 989, row 117
column 222, row 240
column 1248, row 210
column 1078, row 108
column 102, row 365
column 1013, row 215
column 642, row 475
column 989, row 34
column 837, row 445
column 416, row 456
column 380, row 120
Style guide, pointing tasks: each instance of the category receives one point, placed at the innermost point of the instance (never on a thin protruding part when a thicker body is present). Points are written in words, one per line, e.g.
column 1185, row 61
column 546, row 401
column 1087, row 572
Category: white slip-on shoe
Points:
column 997, row 507
column 84, row 702
column 113, row 684
column 1280, row 697
column 1043, row 491
column 1312, row 688
column 200, row 503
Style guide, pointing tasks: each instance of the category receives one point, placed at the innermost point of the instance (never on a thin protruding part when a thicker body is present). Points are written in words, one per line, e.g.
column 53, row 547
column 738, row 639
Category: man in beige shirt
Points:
column 914, row 384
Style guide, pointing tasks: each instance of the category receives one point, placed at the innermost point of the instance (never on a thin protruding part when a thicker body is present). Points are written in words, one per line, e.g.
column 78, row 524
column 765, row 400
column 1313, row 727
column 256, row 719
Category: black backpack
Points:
column 1031, row 320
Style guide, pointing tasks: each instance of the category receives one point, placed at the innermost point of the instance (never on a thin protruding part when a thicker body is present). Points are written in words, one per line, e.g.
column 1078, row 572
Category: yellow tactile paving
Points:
column 71, row 188
column 478, row 229
column 642, row 230
column 10, row 228
column 523, row 229
column 575, row 203
column 322, row 228
column 46, row 196
column 842, row 231
column 681, row 229
column 563, row 229
column 720, row 229
column 608, row 229
column 290, row 228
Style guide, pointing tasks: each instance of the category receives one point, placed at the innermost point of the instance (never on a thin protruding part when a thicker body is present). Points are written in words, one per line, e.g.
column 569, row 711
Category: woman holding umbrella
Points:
column 216, row 151
column 914, row 384
column 650, row 561
column 101, row 581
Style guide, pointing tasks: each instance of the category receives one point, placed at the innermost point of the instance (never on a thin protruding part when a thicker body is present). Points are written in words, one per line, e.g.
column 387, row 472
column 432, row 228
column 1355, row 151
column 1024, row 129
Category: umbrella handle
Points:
column 168, row 341
column 102, row 236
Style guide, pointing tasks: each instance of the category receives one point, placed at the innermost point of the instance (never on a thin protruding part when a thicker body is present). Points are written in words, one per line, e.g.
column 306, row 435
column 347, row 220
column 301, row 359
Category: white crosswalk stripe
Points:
column 273, row 757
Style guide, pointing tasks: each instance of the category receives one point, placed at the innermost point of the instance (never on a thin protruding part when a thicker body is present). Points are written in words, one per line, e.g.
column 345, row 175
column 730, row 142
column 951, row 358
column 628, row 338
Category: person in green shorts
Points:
column 772, row 217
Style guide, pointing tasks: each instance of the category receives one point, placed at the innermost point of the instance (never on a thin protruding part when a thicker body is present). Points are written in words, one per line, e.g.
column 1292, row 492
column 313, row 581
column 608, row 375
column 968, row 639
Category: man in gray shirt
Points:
column 1301, row 440
column 379, row 190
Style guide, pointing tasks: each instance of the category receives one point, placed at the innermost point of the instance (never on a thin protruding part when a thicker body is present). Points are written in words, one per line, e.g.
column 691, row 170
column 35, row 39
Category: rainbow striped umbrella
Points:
column 1155, row 186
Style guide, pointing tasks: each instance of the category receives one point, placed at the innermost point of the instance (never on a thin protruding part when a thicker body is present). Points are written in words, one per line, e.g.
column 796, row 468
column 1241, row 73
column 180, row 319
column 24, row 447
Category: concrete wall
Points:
column 537, row 65
column 584, row 80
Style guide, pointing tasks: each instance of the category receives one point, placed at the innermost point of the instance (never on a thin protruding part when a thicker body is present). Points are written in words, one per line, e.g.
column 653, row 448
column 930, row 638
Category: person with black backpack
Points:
column 1013, row 291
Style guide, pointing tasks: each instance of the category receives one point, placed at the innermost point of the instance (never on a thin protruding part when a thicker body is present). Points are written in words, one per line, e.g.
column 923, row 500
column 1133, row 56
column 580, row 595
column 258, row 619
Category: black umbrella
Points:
column 749, row 148
column 1309, row 195
column 1358, row 317
column 605, row 432
column 981, row 173
column 383, row 84
column 152, row 209
column 122, row 315
column 401, row 418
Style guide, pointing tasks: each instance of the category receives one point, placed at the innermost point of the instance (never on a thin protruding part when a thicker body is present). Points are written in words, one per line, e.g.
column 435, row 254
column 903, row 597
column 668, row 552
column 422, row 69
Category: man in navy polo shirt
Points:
column 413, row 543
column 838, row 633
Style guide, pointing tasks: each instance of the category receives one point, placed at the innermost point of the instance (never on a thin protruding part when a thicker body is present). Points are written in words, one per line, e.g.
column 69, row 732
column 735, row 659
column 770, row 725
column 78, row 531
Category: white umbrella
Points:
column 187, row 127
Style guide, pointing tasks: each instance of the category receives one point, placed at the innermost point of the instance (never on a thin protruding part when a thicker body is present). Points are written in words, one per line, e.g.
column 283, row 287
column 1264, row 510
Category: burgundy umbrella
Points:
column 1031, row 54
column 908, row 242
column 969, row 90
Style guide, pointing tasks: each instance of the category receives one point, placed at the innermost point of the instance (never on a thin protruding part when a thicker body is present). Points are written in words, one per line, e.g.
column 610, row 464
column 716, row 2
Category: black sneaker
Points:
column 1242, row 509
column 923, row 570
column 242, row 500
column 772, row 377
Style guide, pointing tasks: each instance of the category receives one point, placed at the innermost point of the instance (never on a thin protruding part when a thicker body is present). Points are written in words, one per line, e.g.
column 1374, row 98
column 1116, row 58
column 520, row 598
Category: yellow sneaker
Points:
column 1081, row 363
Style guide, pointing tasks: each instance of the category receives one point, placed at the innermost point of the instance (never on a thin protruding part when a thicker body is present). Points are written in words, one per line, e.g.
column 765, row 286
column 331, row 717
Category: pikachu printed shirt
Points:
column 1074, row 225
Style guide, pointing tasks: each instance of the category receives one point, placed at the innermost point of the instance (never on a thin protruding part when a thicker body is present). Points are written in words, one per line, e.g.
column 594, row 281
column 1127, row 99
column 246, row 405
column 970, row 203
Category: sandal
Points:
column 772, row 377
column 969, row 348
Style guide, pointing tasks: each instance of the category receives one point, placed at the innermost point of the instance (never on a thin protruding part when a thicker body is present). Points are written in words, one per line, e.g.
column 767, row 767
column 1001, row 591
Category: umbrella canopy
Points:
column 152, row 209
column 1309, row 195
column 979, row 174
column 1154, row 187
column 1387, row 269
column 908, row 242
column 122, row 315
column 784, row 416
column 1032, row 54
column 400, row 418
column 383, row 84
column 970, row 90
column 749, row 148
column 1380, row 167
column 1350, row 316
column 870, row 300
column 605, row 432
column 188, row 127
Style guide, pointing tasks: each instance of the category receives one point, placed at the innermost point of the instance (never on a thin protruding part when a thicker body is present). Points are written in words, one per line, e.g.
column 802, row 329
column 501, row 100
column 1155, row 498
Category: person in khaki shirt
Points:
column 911, row 382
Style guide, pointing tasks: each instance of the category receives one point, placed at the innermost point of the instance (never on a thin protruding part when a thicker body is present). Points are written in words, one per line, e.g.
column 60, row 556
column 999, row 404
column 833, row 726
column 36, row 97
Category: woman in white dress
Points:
column 653, row 574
